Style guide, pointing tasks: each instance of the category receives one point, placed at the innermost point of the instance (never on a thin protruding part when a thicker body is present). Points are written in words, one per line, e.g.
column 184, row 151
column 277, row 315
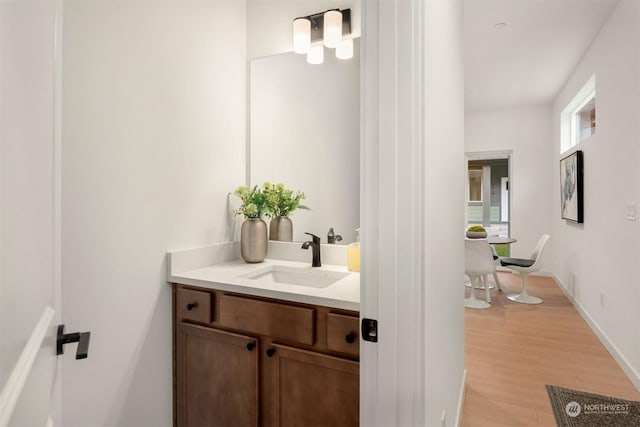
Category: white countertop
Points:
column 224, row 276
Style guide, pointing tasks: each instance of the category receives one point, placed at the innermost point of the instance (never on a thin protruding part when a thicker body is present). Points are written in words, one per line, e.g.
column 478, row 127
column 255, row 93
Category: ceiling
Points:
column 527, row 61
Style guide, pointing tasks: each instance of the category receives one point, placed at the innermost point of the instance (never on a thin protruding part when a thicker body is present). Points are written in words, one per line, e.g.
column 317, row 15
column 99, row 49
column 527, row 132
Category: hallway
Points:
column 513, row 350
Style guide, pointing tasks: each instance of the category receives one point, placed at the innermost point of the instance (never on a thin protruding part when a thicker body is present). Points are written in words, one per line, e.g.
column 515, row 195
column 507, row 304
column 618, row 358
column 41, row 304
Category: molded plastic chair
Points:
column 496, row 260
column 478, row 263
column 524, row 267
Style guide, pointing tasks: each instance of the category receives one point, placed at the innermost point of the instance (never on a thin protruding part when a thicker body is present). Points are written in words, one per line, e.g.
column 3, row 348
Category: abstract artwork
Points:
column 571, row 187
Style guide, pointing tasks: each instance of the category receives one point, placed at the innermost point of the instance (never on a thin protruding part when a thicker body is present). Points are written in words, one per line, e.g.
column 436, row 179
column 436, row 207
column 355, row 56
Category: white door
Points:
column 29, row 256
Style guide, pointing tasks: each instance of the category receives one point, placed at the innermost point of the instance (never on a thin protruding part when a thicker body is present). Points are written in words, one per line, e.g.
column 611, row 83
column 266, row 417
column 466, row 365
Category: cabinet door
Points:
column 311, row 389
column 216, row 378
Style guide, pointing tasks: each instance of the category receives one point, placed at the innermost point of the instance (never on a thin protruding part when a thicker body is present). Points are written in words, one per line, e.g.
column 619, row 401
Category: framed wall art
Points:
column 572, row 187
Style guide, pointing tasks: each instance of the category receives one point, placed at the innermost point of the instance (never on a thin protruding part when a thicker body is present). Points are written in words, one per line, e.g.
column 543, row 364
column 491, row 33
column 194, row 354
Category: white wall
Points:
column 444, row 159
column 27, row 259
column 527, row 131
column 153, row 140
column 269, row 22
column 600, row 257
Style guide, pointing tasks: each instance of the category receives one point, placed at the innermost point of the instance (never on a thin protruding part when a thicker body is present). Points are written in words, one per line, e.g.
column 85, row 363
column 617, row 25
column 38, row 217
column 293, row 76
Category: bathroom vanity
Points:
column 250, row 349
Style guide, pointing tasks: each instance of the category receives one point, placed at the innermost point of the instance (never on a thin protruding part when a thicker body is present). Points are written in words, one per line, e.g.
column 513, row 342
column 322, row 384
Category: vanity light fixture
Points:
column 344, row 50
column 332, row 34
column 301, row 35
column 315, row 55
column 331, row 29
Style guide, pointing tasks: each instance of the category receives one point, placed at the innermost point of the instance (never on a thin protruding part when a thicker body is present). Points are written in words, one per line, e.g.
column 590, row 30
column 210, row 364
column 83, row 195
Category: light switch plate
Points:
column 631, row 212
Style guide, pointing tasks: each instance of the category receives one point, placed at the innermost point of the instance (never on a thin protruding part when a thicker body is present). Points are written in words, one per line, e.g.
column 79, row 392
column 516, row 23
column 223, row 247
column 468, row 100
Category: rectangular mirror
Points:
column 305, row 133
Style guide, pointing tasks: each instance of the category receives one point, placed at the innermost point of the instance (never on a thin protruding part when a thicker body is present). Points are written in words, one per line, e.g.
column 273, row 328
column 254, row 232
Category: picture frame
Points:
column 572, row 187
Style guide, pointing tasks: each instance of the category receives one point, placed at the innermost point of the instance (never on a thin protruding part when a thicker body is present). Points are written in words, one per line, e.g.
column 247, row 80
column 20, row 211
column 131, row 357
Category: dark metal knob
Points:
column 251, row 346
column 271, row 352
column 350, row 338
column 191, row 306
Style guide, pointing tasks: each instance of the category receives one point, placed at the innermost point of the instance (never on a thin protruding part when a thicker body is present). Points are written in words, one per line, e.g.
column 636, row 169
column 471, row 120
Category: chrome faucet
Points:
column 315, row 248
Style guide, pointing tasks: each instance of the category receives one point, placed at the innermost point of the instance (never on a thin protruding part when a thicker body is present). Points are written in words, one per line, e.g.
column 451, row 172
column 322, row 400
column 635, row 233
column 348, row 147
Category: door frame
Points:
column 489, row 155
column 56, row 391
column 412, row 121
column 392, row 200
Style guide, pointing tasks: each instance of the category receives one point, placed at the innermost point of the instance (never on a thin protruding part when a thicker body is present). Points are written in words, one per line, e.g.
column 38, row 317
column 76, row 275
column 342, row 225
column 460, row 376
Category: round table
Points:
column 497, row 240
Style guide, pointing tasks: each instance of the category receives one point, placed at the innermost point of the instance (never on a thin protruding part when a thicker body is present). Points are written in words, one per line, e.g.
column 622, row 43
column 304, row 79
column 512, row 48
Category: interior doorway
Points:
column 488, row 201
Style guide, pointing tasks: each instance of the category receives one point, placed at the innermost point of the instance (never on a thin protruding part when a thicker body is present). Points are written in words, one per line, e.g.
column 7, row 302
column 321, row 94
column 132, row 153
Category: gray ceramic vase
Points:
column 281, row 228
column 253, row 240
column 476, row 234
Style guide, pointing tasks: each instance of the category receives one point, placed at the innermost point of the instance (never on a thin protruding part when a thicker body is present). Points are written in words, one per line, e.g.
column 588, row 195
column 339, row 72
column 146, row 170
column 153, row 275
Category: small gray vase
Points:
column 476, row 234
column 281, row 228
column 253, row 240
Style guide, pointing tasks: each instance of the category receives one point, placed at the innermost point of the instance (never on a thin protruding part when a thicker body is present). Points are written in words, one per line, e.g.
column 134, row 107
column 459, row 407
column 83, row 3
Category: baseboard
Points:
column 463, row 390
column 631, row 373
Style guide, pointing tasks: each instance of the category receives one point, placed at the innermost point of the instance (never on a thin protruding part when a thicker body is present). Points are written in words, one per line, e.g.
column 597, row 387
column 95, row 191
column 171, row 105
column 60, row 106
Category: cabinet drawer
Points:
column 343, row 334
column 268, row 318
column 193, row 305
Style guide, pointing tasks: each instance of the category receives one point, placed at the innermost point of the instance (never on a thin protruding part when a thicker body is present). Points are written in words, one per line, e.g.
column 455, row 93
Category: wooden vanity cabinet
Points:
column 217, row 377
column 246, row 361
column 306, row 388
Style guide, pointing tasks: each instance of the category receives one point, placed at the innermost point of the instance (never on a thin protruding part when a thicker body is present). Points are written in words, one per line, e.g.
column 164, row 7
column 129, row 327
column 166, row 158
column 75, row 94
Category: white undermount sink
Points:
column 309, row 277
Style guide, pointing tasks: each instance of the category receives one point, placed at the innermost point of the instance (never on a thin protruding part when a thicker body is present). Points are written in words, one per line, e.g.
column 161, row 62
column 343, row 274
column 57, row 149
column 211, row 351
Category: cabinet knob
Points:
column 350, row 338
column 271, row 352
column 191, row 306
column 251, row 346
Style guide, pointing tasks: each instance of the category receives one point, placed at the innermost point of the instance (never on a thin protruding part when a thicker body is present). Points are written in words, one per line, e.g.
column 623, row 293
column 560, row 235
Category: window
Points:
column 578, row 119
column 475, row 185
column 585, row 120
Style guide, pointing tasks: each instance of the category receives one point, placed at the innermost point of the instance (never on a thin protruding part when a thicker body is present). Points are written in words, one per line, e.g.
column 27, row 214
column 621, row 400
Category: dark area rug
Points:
column 573, row 408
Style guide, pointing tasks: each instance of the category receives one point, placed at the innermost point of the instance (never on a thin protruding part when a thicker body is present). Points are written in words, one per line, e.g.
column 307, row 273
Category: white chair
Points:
column 478, row 263
column 524, row 267
column 496, row 261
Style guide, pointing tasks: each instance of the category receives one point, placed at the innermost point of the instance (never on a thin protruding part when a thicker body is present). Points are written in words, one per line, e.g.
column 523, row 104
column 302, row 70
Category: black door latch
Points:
column 370, row 330
column 82, row 338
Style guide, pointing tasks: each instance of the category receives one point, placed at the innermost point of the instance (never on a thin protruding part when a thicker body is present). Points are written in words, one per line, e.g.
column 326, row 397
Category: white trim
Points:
column 631, row 373
column 369, row 389
column 461, row 397
column 489, row 155
column 13, row 388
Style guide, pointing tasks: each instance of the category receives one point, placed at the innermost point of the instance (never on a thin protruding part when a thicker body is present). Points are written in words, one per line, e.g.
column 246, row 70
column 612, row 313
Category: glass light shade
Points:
column 315, row 55
column 301, row 35
column 332, row 34
column 344, row 50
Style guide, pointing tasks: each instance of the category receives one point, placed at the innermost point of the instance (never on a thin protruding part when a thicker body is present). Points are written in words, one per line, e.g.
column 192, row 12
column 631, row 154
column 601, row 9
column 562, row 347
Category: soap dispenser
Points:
column 332, row 237
column 353, row 254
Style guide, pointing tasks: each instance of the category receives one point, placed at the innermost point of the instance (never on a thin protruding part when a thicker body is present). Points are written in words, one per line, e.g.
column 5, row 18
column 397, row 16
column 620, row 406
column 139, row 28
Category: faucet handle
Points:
column 315, row 238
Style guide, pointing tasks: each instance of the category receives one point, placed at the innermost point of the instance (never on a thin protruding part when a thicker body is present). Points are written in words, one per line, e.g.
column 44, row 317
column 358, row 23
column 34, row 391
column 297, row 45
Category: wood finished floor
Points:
column 512, row 350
